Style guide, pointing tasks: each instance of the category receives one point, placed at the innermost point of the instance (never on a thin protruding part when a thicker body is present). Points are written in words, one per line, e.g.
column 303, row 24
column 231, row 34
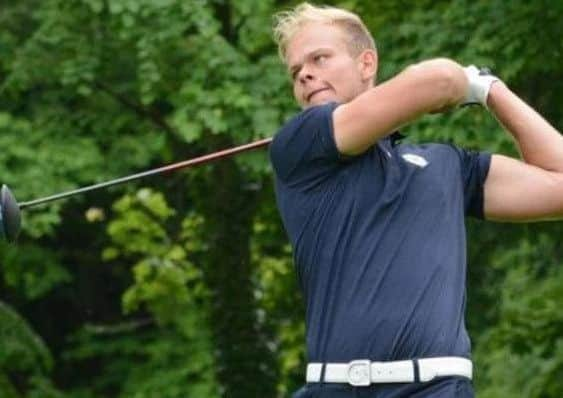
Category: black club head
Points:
column 10, row 218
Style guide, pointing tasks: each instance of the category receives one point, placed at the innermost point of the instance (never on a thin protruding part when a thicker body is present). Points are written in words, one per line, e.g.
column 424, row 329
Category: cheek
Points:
column 344, row 84
column 344, row 74
column 297, row 94
column 296, row 91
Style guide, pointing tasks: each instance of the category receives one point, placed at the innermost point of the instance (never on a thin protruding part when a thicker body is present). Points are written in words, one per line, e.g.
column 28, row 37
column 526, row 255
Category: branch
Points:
column 153, row 115
column 124, row 327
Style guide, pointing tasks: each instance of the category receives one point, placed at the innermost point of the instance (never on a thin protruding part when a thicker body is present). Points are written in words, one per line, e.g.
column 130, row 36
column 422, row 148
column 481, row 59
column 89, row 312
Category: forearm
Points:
column 427, row 87
column 539, row 142
column 442, row 84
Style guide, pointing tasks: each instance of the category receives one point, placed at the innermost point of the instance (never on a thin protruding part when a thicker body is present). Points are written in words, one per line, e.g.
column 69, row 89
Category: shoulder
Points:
column 314, row 118
column 306, row 136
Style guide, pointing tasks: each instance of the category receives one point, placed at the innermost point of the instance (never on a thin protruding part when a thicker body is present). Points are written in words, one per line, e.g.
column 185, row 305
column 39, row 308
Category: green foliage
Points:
column 145, row 360
column 175, row 350
column 23, row 352
column 22, row 349
column 138, row 82
column 279, row 299
column 33, row 271
column 522, row 353
column 164, row 279
column 139, row 227
column 8, row 390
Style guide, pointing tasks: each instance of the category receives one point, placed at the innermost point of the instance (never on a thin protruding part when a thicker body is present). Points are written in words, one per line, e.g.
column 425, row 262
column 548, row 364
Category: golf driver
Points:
column 10, row 218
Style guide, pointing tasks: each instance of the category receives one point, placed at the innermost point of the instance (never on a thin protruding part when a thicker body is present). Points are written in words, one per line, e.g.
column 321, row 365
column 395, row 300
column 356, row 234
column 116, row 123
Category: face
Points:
column 323, row 70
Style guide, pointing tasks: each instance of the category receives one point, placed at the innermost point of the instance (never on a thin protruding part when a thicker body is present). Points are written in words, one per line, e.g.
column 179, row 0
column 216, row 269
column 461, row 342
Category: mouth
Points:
column 313, row 93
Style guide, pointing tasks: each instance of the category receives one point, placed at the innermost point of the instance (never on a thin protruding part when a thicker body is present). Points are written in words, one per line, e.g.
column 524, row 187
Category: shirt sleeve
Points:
column 304, row 151
column 474, row 171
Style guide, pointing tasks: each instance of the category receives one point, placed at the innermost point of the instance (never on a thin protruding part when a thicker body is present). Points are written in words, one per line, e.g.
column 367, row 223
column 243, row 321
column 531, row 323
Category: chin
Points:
column 319, row 102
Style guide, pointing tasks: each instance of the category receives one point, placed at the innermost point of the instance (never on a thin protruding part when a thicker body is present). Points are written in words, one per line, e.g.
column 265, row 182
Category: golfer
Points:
column 377, row 227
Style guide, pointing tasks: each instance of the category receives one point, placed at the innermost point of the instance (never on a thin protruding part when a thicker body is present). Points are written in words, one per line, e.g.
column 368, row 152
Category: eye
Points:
column 294, row 72
column 320, row 58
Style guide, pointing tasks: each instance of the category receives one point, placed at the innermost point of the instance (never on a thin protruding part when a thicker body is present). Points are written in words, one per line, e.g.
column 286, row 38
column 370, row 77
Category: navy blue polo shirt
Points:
column 378, row 240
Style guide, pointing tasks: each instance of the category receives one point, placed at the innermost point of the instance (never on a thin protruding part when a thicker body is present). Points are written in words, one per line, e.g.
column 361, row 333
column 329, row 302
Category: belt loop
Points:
column 416, row 368
column 323, row 367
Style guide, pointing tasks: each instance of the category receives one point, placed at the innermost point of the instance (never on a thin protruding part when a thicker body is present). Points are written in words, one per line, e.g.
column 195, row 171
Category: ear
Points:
column 367, row 62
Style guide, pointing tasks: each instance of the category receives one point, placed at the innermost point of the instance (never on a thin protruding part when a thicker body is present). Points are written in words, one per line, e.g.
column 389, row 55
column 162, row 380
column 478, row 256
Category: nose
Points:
column 305, row 76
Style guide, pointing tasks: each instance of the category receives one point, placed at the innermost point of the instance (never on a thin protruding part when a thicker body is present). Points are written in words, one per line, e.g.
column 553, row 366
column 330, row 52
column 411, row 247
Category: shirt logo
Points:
column 415, row 159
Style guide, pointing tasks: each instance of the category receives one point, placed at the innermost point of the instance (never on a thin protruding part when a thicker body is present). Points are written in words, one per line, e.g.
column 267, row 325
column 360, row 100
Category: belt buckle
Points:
column 359, row 373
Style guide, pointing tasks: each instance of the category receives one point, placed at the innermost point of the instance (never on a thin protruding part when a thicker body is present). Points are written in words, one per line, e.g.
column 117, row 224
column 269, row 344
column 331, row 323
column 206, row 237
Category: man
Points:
column 377, row 227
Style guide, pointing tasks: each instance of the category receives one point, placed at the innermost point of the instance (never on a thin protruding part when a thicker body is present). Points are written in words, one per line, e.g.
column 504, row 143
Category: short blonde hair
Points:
column 287, row 23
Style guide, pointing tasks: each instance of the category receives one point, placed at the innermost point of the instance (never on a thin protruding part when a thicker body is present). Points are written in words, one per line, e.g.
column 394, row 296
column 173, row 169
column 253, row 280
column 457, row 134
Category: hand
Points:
column 480, row 82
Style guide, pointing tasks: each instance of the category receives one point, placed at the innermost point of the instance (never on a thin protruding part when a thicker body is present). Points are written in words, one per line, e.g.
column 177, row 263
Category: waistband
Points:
column 365, row 372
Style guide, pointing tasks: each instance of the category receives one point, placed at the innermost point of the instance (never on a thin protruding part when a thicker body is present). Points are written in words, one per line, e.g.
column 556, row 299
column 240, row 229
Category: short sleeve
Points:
column 304, row 149
column 474, row 171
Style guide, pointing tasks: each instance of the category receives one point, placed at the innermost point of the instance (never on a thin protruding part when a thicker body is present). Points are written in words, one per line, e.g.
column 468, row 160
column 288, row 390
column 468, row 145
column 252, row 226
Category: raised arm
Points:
column 427, row 87
column 531, row 189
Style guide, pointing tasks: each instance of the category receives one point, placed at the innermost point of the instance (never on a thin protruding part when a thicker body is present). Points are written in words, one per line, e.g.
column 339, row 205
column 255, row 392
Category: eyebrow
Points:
column 294, row 68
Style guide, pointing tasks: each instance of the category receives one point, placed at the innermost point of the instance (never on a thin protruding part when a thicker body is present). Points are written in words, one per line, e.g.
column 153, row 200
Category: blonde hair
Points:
column 287, row 23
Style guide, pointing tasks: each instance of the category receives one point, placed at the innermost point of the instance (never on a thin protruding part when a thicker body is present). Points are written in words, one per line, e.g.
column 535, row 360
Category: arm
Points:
column 531, row 189
column 427, row 87
column 540, row 143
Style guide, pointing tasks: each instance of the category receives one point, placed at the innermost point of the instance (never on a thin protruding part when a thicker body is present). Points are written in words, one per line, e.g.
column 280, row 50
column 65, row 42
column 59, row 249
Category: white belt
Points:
column 365, row 372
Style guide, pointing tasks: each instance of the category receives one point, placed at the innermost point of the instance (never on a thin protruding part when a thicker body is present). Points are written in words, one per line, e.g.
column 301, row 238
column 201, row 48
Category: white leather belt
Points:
column 365, row 372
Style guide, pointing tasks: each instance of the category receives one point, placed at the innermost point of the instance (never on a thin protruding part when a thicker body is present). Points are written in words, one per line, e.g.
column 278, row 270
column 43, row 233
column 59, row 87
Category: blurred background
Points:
column 182, row 285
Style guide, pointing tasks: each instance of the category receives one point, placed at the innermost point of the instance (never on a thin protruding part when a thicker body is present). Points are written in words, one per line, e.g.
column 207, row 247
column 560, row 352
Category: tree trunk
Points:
column 246, row 368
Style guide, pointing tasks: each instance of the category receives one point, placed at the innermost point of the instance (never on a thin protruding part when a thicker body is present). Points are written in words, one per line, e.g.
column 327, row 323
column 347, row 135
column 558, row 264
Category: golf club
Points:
column 10, row 217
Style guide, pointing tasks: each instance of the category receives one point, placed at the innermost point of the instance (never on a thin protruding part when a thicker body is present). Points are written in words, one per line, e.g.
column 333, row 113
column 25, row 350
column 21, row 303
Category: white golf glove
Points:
column 480, row 82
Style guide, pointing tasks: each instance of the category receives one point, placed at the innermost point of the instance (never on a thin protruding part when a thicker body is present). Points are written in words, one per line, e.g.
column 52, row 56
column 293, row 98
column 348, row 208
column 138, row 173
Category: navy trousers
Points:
column 447, row 387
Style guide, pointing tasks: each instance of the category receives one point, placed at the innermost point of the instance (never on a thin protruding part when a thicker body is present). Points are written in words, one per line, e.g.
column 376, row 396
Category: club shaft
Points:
column 171, row 167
